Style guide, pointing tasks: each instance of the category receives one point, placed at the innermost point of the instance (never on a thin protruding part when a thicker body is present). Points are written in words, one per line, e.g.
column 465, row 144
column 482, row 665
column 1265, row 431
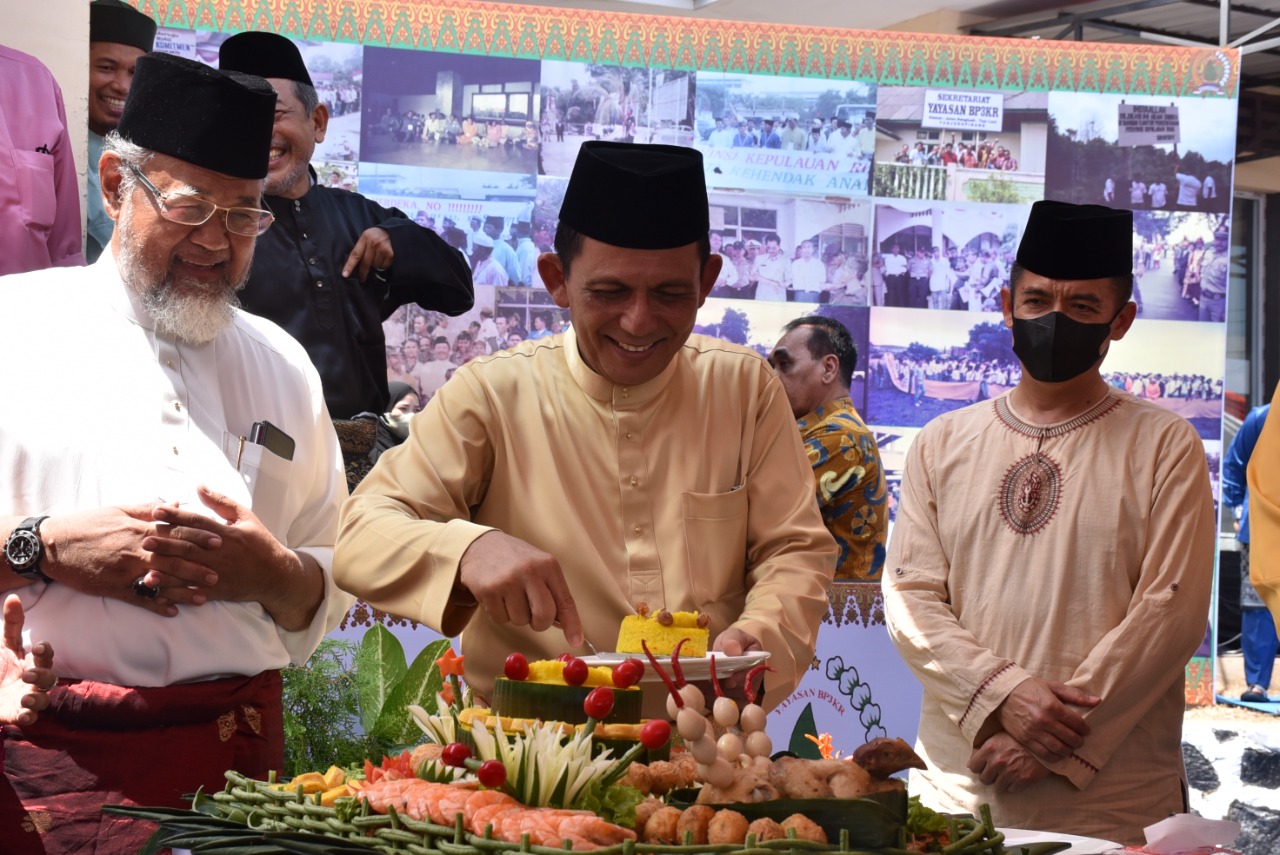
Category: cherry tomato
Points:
column 455, row 754
column 655, row 733
column 575, row 671
column 598, row 703
column 627, row 673
column 492, row 774
column 516, row 667
column 565, row 657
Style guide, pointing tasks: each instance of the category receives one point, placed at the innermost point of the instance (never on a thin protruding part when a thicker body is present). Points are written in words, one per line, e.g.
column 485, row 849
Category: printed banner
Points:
column 1148, row 124
column 881, row 179
column 965, row 111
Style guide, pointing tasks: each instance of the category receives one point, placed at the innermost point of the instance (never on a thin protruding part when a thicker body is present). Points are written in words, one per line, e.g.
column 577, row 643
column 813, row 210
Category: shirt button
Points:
column 311, row 260
column 177, row 406
column 319, row 283
column 628, row 436
column 304, row 235
column 297, row 204
column 638, row 528
column 634, row 480
column 175, row 449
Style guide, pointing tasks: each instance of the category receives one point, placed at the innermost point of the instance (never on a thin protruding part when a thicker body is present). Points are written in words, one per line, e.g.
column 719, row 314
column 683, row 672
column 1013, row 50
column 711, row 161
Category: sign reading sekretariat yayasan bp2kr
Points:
column 879, row 178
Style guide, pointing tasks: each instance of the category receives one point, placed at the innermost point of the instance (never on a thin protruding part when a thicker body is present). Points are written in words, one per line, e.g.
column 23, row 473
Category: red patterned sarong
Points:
column 100, row 744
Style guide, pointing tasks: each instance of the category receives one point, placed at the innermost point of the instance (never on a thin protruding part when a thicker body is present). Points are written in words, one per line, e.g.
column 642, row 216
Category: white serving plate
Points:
column 1079, row 845
column 694, row 667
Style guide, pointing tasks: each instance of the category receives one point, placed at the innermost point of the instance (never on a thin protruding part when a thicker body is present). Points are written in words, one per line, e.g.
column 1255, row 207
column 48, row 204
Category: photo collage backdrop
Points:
column 880, row 178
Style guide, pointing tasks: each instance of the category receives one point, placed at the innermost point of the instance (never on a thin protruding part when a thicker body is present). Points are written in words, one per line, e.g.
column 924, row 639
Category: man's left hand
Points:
column 26, row 676
column 372, row 252
column 251, row 565
column 1002, row 762
column 732, row 642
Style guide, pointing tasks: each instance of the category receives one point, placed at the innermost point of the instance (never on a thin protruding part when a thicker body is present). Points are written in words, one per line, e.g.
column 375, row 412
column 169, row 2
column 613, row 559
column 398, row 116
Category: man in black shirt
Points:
column 335, row 264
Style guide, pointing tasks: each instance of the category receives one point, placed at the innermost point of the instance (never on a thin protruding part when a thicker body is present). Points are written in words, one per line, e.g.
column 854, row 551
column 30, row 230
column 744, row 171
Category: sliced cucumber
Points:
column 551, row 702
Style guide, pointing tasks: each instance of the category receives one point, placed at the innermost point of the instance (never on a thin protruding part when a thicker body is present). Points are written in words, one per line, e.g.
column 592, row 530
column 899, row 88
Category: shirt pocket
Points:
column 36, row 190
column 715, row 536
column 265, row 476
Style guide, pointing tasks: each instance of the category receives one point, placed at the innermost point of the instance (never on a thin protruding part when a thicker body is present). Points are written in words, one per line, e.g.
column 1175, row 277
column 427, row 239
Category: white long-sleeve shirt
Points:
column 118, row 414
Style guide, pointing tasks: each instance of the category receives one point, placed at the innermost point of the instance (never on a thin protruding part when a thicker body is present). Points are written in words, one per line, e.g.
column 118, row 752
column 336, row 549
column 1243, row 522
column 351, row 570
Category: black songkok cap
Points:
column 637, row 196
column 1065, row 241
column 213, row 119
column 263, row 54
column 114, row 21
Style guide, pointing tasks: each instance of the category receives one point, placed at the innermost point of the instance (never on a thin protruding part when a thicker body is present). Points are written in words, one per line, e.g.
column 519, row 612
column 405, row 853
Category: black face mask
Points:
column 1055, row 348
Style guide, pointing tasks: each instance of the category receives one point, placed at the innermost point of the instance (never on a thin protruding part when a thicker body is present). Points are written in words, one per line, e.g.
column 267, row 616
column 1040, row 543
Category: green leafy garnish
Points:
column 922, row 819
column 616, row 804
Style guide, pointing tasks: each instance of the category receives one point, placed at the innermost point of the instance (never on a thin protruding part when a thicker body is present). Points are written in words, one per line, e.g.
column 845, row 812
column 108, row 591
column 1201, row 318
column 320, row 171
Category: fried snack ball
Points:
column 661, row 826
column 727, row 826
column 646, row 809
column 686, row 765
column 638, row 776
column 696, row 819
column 806, row 829
column 664, row 776
column 765, row 828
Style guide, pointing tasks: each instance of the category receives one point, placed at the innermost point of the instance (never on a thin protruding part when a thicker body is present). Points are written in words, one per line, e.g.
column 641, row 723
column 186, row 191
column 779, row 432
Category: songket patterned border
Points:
column 886, row 58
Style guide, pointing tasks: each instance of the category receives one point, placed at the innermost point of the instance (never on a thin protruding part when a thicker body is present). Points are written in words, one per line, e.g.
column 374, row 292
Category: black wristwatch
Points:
column 24, row 549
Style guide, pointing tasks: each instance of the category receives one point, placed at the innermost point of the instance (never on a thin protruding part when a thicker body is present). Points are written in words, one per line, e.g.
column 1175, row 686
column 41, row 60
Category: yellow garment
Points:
column 688, row 492
column 1264, row 516
column 850, row 482
column 1089, row 563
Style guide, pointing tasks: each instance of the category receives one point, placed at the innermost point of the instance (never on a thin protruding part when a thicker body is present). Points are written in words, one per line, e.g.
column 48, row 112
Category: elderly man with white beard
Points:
column 175, row 545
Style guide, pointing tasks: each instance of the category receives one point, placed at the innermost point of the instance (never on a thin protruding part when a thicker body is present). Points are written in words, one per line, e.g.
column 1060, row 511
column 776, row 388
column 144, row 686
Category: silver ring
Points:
column 142, row 589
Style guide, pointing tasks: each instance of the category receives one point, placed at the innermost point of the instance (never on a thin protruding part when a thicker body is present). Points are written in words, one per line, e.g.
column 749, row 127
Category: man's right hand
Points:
column 517, row 583
column 99, row 552
column 1036, row 714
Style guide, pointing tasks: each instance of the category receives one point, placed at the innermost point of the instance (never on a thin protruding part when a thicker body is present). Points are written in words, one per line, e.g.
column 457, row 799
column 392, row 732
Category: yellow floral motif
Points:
column 227, row 725
column 253, row 718
column 39, row 821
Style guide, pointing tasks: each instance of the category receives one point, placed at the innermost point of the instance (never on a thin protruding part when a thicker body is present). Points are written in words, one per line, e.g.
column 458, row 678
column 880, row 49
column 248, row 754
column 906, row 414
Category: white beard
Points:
column 191, row 311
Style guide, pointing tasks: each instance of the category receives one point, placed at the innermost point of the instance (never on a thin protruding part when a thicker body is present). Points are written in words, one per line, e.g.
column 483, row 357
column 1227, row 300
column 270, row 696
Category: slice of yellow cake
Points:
column 662, row 631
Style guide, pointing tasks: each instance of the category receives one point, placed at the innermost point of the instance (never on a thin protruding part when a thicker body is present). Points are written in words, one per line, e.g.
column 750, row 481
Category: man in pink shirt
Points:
column 39, row 197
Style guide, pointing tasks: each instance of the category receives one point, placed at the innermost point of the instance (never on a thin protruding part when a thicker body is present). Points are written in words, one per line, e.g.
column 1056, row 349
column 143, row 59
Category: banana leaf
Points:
column 872, row 821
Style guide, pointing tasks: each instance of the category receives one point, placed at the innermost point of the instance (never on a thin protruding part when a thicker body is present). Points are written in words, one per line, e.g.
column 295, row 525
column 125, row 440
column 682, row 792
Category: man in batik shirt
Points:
column 815, row 359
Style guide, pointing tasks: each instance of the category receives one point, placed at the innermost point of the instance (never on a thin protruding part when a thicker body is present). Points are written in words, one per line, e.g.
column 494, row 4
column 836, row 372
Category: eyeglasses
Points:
column 188, row 210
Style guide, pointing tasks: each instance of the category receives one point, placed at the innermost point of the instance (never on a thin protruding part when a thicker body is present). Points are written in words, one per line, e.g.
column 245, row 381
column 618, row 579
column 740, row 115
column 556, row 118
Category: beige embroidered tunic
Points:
column 1079, row 552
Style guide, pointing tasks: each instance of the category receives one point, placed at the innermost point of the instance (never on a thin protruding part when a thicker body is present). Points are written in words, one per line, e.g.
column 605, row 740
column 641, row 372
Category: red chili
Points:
column 715, row 681
column 671, row 687
column 675, row 663
column 751, row 681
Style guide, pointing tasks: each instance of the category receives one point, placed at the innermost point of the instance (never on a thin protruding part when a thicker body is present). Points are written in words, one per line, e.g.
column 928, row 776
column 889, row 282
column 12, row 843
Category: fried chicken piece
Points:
column 884, row 756
column 750, row 784
column 802, row 779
